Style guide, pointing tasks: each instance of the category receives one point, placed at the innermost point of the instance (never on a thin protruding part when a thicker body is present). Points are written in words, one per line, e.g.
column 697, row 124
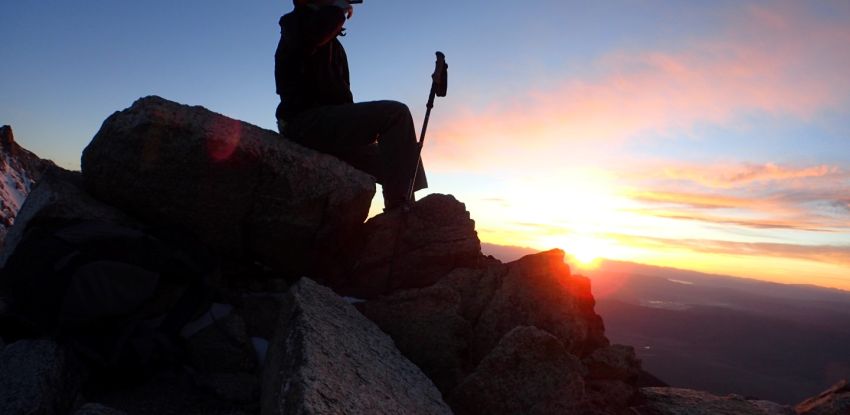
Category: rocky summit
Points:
column 202, row 265
column 20, row 169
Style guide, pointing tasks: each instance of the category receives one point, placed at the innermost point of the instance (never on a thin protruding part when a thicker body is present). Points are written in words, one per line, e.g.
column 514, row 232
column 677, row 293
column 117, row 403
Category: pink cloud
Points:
column 727, row 176
column 830, row 254
column 777, row 61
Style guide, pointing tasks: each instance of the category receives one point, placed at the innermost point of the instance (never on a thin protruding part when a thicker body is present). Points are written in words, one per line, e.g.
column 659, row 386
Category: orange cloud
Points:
column 740, row 175
column 830, row 254
column 784, row 62
column 758, row 223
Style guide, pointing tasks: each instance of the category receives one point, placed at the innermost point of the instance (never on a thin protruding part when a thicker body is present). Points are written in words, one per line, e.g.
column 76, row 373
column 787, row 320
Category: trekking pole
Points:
column 439, row 86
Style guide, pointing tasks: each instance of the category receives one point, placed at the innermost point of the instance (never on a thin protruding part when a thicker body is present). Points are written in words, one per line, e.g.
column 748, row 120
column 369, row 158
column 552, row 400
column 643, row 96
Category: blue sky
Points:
column 704, row 135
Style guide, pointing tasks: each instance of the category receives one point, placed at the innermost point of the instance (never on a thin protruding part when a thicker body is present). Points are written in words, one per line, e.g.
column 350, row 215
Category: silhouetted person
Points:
column 317, row 109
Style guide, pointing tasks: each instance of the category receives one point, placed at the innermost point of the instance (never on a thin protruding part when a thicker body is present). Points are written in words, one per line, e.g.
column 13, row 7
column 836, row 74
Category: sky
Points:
column 711, row 136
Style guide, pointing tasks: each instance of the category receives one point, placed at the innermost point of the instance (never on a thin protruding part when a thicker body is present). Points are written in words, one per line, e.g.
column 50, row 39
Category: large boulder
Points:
column 243, row 190
column 529, row 372
column 37, row 377
column 833, row 401
column 327, row 358
column 414, row 249
column 676, row 401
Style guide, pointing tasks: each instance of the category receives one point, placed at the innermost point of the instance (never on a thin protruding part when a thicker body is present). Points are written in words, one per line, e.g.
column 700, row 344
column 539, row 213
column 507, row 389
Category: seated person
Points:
column 317, row 109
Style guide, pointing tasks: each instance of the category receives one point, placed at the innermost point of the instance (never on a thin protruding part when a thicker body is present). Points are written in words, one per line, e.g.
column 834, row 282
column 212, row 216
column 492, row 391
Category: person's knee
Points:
column 397, row 109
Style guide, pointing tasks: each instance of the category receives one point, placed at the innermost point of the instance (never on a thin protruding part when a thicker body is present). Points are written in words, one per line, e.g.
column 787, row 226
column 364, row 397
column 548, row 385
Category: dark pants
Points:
column 350, row 132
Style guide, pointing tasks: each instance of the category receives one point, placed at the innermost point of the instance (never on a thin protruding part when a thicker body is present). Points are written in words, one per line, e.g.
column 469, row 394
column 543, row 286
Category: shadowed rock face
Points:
column 457, row 331
column 37, row 377
column 529, row 372
column 327, row 358
column 413, row 249
column 19, row 171
column 835, row 400
column 243, row 190
column 675, row 401
column 60, row 195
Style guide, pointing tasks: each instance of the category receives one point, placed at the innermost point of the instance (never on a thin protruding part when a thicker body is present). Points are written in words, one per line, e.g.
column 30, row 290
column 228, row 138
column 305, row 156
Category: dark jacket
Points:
column 311, row 68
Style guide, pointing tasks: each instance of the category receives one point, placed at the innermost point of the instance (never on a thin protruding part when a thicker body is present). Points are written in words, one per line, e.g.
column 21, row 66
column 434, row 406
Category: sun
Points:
column 586, row 251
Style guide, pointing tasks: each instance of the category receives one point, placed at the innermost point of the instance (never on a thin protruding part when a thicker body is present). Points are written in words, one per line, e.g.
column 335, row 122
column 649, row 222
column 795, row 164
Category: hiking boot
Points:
column 397, row 203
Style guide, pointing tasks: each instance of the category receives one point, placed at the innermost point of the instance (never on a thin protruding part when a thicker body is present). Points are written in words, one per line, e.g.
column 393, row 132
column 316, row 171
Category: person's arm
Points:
column 323, row 26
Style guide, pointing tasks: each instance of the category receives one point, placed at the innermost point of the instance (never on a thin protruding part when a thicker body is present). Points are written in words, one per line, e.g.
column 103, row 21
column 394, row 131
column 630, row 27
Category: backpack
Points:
column 118, row 296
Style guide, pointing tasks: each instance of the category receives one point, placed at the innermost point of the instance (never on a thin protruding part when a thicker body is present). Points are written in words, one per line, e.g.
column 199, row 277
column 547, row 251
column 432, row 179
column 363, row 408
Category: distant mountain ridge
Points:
column 19, row 170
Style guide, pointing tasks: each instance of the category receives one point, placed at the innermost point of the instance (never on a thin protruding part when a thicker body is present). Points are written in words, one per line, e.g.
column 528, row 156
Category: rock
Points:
column 833, row 401
column 427, row 328
column 243, row 190
column 19, row 171
column 233, row 387
column 97, row 409
column 60, row 195
column 260, row 313
column 327, row 358
column 529, row 372
column 222, row 347
column 37, row 377
column 414, row 249
column 675, row 401
column 538, row 290
column 615, row 362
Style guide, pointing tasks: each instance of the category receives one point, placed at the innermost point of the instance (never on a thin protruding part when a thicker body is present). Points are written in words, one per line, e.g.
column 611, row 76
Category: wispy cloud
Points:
column 758, row 223
column 831, row 254
column 784, row 62
column 728, row 176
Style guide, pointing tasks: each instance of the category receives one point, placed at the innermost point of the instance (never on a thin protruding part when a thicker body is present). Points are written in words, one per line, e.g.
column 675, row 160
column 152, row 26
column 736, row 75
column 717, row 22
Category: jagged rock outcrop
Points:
column 244, row 191
column 453, row 327
column 528, row 372
column 19, row 171
column 327, row 358
column 413, row 249
column 675, row 401
column 833, row 401
column 37, row 377
column 60, row 195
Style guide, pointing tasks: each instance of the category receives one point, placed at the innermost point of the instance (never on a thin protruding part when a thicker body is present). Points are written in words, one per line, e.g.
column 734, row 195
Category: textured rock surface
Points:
column 97, row 409
column 327, row 358
column 59, row 194
column 833, row 401
column 675, row 401
column 538, row 290
column 222, row 347
column 428, row 329
column 242, row 189
column 37, row 377
column 19, row 171
column 414, row 249
column 529, row 372
column 448, row 328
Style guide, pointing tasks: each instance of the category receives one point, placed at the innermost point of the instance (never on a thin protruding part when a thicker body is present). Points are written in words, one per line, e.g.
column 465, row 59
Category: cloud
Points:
column 727, row 176
column 770, row 223
column 785, row 61
column 830, row 254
